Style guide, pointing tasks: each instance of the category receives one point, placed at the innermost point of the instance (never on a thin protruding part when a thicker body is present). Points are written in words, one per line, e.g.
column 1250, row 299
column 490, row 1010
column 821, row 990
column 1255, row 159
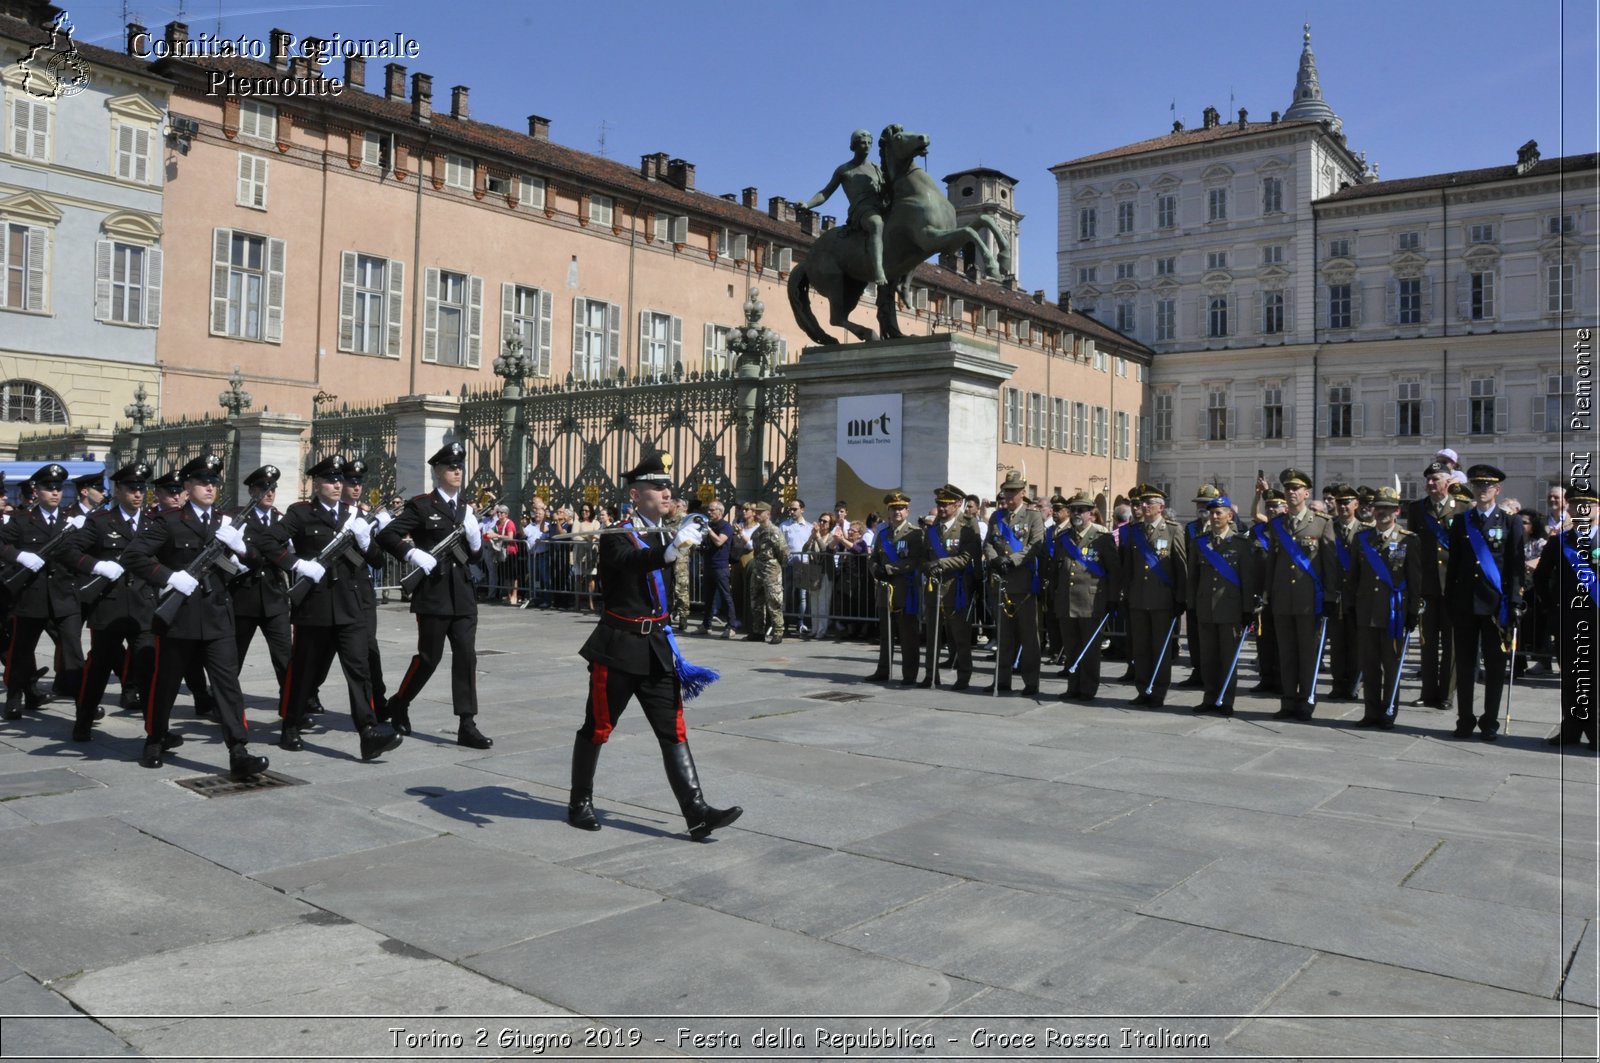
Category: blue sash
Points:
column 1259, row 534
column 1224, row 568
column 936, row 543
column 692, row 679
column 1095, row 568
column 1436, row 529
column 1016, row 544
column 1397, row 605
column 1298, row 556
column 908, row 583
column 1148, row 552
column 1580, row 568
column 1341, row 551
column 1486, row 561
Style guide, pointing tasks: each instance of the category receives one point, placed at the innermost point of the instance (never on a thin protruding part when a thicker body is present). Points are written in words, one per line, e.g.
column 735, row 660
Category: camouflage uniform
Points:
column 768, row 552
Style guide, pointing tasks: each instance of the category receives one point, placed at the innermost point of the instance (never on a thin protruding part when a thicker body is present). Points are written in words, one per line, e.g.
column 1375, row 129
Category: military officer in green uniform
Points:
column 898, row 554
column 1223, row 584
column 1302, row 586
column 1381, row 592
column 1085, row 584
column 1430, row 518
column 1275, row 504
column 1016, row 538
column 1192, row 531
column 1483, row 591
column 680, row 568
column 1569, row 597
column 1343, row 667
column 954, row 549
column 768, row 552
column 1154, row 589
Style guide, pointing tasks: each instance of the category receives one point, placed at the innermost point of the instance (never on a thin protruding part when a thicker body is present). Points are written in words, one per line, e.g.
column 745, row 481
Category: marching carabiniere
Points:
column 1223, row 586
column 179, row 549
column 1382, row 597
column 325, row 541
column 119, row 607
column 446, row 538
column 1016, row 539
column 1086, row 583
column 1483, row 589
column 91, row 488
column 1154, row 589
column 355, row 475
column 632, row 653
column 954, row 550
column 1569, row 597
column 898, row 553
column 45, row 597
column 1431, row 518
column 260, row 594
column 1301, row 580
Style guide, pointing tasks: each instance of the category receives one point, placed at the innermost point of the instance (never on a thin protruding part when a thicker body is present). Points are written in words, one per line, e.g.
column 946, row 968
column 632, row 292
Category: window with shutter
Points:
column 600, row 210
column 451, row 317
column 277, row 267
column 252, row 191
column 23, row 252
column 30, row 128
column 133, row 153
column 660, row 344
column 258, row 120
column 531, row 193
column 596, row 338
column 25, row 401
column 717, row 358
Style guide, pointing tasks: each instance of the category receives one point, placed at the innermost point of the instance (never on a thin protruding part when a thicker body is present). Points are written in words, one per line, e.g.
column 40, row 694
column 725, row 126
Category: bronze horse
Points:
column 920, row 222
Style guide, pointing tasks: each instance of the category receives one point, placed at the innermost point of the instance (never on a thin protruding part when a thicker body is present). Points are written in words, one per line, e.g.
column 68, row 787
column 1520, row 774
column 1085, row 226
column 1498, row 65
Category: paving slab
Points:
column 984, row 754
column 1517, row 876
column 1033, row 857
column 1473, row 940
column 453, row 899
column 1157, row 746
column 1382, row 774
column 52, row 1027
column 664, row 864
column 1385, row 806
column 811, row 765
column 1352, row 1007
column 1582, row 984
column 42, row 783
column 1264, row 793
column 1063, row 805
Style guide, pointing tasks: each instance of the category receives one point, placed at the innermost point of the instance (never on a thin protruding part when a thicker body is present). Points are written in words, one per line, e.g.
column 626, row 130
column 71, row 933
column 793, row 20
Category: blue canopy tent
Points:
column 18, row 471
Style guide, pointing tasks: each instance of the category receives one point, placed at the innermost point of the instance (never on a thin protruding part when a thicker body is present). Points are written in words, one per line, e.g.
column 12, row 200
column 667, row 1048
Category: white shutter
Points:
column 1358, row 419
column 1391, row 418
column 152, row 286
column 141, row 155
column 710, row 346
column 1536, row 410
column 1257, row 423
column 675, row 356
column 578, row 352
column 1393, row 304
column 1233, row 423
column 741, row 248
column 1427, row 299
column 644, row 339
column 1260, row 300
column 1427, row 417
column 252, row 190
column 394, row 307
column 430, row 317
column 613, row 339
column 785, row 259
column 1288, row 310
column 103, row 250
column 1323, row 298
column 34, row 296
column 1288, row 422
column 680, row 229
column 1502, row 415
column 221, row 242
column 277, row 266
column 21, row 112
column 347, row 300
column 1324, row 411
column 1355, row 305
column 125, row 164
column 543, row 366
column 41, row 132
column 1463, row 412
column 508, row 317
column 1464, row 296
column 957, row 311
column 474, row 322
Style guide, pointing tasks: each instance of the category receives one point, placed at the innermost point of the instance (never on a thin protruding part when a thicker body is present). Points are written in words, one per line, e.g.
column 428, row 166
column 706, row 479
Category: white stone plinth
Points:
column 270, row 439
column 422, row 424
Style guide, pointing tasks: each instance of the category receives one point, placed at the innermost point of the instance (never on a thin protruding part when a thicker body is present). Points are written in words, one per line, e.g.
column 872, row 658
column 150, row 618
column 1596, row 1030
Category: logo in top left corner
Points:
column 55, row 69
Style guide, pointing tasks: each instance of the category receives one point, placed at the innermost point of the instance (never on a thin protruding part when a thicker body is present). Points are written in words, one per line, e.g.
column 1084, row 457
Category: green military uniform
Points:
column 1430, row 519
column 1266, row 634
column 954, row 549
column 1223, row 584
column 1300, row 599
column 1192, row 531
column 1154, row 588
column 898, row 554
column 1383, row 602
column 1017, row 611
column 768, row 552
column 680, row 576
column 1343, row 667
column 1085, row 580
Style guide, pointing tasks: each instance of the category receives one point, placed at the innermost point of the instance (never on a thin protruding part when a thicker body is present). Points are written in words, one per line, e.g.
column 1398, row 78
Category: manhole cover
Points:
column 222, row 786
column 837, row 695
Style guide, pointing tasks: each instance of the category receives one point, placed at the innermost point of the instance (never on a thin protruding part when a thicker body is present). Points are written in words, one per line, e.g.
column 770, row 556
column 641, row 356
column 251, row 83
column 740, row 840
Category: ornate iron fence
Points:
column 365, row 432
column 62, row 444
column 171, row 444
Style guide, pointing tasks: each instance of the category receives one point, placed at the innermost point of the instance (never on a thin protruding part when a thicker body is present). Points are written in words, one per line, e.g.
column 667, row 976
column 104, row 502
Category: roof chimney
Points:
column 1527, row 156
column 750, row 199
column 681, row 173
column 1177, row 125
column 177, row 34
column 355, row 72
column 1244, row 119
column 458, row 102
column 422, row 97
column 1276, row 117
column 807, row 220
column 1210, row 118
column 316, row 53
column 828, row 222
column 1038, row 296
column 278, row 49
column 778, row 209
column 135, row 31
column 1064, row 301
column 394, row 82
column 538, row 127
column 653, row 167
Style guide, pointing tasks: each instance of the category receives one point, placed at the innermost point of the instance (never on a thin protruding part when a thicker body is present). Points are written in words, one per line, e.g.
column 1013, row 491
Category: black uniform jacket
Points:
column 169, row 542
column 425, row 520
column 1466, row 586
column 305, row 530
column 53, row 591
column 263, row 591
column 625, row 569
column 104, row 537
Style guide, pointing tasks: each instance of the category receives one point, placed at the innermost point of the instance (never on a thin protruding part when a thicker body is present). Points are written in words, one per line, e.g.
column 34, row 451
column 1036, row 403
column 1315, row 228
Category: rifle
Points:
column 216, row 552
column 449, row 544
column 23, row 576
column 339, row 544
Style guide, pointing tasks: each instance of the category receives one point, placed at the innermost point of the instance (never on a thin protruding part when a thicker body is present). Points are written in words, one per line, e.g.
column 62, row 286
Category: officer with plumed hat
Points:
column 119, row 607
column 898, row 553
column 633, row 653
column 47, row 598
column 1303, row 587
column 444, row 603
column 1483, row 591
column 1568, row 584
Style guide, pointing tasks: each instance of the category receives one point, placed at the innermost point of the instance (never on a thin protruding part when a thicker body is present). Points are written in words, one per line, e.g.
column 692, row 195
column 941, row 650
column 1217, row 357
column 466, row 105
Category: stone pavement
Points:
column 954, row 874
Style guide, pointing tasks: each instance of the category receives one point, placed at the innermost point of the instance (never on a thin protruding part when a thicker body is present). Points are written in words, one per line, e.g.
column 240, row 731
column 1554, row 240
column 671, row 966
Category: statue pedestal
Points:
column 911, row 413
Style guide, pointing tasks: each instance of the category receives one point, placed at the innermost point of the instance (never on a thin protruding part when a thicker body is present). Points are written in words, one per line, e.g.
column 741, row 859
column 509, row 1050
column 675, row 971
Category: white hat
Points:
column 1449, row 455
column 1458, row 477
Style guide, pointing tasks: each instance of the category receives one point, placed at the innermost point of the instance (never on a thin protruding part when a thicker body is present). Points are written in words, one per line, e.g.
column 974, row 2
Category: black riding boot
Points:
column 685, row 781
column 580, row 806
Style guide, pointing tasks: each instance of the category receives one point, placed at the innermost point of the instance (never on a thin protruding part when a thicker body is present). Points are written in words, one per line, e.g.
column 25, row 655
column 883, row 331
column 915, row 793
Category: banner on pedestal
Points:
column 869, row 451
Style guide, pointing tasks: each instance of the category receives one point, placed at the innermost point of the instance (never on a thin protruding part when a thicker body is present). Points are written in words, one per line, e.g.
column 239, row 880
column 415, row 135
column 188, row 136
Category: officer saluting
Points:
column 1016, row 538
column 1223, row 584
column 1569, row 596
column 49, row 599
column 119, row 618
column 260, row 595
column 1483, row 591
column 331, row 617
column 954, row 547
column 897, row 556
column 445, row 604
column 1382, row 597
column 1431, row 518
column 1302, row 584
column 632, row 653
column 1085, row 584
column 167, row 544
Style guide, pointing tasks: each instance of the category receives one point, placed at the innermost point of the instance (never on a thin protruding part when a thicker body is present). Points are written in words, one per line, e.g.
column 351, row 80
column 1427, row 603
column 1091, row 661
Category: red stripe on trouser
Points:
column 599, row 706
column 83, row 681
column 416, row 661
column 683, row 735
column 150, row 695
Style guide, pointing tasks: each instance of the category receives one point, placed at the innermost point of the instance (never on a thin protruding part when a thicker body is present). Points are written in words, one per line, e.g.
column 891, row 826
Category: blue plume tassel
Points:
column 692, row 679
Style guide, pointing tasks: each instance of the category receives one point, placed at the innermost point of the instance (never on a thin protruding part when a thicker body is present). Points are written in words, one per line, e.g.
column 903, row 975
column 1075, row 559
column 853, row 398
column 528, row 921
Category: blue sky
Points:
column 766, row 94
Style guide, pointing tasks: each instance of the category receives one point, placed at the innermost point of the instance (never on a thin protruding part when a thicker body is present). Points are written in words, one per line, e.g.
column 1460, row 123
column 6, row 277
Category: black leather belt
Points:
column 640, row 625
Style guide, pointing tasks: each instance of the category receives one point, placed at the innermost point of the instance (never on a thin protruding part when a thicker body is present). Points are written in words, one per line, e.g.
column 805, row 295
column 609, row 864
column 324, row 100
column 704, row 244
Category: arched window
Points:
column 23, row 400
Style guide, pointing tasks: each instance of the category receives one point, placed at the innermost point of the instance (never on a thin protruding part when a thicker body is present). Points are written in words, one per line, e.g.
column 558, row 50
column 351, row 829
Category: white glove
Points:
column 183, row 583
column 422, row 559
column 31, row 562
column 473, row 530
column 232, row 537
column 688, row 538
column 75, row 522
column 360, row 529
column 109, row 569
column 310, row 570
column 384, row 517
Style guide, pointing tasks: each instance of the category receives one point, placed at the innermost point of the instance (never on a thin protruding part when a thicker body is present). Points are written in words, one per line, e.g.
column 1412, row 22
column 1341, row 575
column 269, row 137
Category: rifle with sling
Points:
column 16, row 581
column 340, row 543
column 450, row 544
column 215, row 553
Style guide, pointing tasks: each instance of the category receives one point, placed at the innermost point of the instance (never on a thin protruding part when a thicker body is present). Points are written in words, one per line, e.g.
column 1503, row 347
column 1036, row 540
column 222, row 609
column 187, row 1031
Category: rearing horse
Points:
column 921, row 222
